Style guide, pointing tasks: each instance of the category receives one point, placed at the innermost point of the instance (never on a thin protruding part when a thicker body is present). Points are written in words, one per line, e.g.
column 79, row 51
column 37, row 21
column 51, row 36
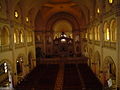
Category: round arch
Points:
column 109, row 70
column 16, row 36
column 62, row 16
column 106, row 31
column 21, row 36
column 5, row 36
column 113, row 30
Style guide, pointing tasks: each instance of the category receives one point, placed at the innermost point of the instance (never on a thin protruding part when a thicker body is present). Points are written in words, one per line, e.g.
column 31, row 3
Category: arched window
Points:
column 113, row 30
column 21, row 36
column 5, row 36
column 106, row 32
column 96, row 33
column 17, row 13
column 29, row 36
column 91, row 34
column 16, row 36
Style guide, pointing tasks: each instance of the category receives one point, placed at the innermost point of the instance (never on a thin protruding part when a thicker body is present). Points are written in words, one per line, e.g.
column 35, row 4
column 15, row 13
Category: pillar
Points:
column 118, row 50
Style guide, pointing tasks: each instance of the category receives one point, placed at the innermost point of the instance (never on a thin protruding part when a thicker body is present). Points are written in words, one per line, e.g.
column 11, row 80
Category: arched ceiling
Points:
column 62, row 26
column 80, row 8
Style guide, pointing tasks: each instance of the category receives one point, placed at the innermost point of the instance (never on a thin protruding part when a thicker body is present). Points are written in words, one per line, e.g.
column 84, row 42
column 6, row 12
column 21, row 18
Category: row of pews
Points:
column 90, row 80
column 43, row 77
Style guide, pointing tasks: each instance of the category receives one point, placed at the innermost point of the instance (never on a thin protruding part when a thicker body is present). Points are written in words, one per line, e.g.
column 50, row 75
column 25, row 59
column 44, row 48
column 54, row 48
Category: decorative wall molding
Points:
column 5, row 48
column 13, row 23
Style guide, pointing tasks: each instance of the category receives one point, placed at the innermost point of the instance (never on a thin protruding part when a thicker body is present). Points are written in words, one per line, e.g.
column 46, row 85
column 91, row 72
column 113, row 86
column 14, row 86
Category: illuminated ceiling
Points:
column 62, row 26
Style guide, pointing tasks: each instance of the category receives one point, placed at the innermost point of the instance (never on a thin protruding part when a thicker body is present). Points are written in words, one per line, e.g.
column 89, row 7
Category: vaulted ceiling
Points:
column 45, row 9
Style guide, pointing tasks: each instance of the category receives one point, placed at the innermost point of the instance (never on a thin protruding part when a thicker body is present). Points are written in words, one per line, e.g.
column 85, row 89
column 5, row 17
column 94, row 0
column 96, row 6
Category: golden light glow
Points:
column 107, row 34
column 15, row 38
column 86, row 35
column 16, row 14
column 98, row 10
column 63, row 40
column 21, row 37
column 110, row 1
column 5, row 67
column 27, row 19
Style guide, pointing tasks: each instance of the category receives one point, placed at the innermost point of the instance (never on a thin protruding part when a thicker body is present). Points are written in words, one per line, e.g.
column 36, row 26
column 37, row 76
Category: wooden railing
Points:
column 5, row 48
column 110, row 44
column 58, row 60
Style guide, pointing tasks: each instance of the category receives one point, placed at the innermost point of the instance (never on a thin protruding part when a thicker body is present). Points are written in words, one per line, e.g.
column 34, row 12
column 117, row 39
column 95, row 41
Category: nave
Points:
column 60, row 77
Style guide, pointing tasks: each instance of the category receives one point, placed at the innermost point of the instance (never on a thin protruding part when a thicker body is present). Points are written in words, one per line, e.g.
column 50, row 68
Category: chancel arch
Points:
column 62, row 26
column 62, row 16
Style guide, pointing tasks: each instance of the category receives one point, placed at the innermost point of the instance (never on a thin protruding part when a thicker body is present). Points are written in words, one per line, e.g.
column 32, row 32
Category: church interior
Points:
column 59, row 45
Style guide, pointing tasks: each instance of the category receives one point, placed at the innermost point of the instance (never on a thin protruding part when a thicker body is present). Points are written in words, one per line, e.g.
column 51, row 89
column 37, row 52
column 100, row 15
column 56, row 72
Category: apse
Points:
column 62, row 26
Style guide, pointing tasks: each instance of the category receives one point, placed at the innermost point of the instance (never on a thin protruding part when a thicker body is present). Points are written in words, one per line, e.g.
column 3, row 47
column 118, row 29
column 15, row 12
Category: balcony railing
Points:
column 37, row 42
column 97, row 42
column 90, row 42
column 19, row 45
column 110, row 44
column 5, row 48
column 29, row 43
column 59, row 60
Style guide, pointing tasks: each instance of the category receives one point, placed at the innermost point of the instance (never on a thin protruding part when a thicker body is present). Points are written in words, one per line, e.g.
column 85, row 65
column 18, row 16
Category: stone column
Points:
column 14, row 69
column 34, row 48
column 118, row 50
column 44, row 42
column 26, row 67
column 101, row 46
